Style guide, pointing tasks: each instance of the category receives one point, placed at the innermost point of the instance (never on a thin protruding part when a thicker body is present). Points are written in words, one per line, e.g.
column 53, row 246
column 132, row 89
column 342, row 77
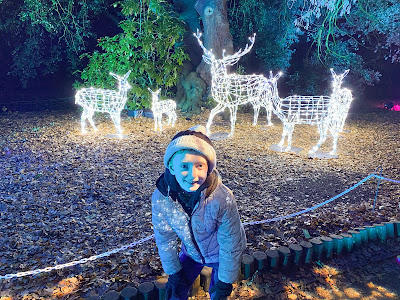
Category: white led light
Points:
column 106, row 101
column 232, row 90
column 160, row 107
column 328, row 113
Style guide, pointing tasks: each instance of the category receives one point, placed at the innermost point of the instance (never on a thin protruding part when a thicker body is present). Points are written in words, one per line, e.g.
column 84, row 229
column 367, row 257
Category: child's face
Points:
column 190, row 170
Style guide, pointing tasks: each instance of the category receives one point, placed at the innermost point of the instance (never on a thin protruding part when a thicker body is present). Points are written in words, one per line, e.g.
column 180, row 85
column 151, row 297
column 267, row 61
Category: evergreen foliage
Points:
column 337, row 34
column 349, row 34
column 150, row 45
column 272, row 22
column 38, row 35
column 302, row 38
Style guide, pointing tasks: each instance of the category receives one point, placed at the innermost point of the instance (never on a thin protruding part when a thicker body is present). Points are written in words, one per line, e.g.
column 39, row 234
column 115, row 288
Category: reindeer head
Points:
column 122, row 81
column 337, row 80
column 154, row 95
column 218, row 66
column 273, row 79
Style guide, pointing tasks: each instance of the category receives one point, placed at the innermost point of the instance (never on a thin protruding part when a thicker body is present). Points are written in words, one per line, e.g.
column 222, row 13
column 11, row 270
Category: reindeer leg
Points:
column 169, row 119
column 213, row 112
column 160, row 121
column 116, row 118
column 342, row 121
column 269, row 110
column 233, row 112
column 289, row 134
column 90, row 114
column 174, row 117
column 335, row 136
column 83, row 121
column 323, row 131
column 256, row 112
column 155, row 121
column 284, row 133
column 155, row 116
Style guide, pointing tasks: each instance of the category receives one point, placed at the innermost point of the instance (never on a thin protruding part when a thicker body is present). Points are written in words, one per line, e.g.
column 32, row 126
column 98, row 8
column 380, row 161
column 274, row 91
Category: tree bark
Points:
column 216, row 33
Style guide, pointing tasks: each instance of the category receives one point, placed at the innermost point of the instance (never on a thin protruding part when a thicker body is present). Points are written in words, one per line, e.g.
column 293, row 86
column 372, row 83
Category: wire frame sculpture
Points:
column 160, row 107
column 327, row 112
column 106, row 101
column 232, row 90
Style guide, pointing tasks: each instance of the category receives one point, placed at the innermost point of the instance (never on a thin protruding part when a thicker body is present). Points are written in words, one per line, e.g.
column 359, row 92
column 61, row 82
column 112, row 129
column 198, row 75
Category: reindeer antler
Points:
column 241, row 52
column 207, row 53
column 233, row 58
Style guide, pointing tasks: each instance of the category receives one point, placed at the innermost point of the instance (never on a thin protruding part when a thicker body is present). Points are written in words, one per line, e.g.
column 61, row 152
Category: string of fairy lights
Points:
column 230, row 90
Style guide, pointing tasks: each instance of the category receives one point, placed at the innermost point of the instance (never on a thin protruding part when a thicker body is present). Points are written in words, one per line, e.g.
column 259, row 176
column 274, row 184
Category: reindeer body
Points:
column 328, row 113
column 334, row 120
column 106, row 101
column 232, row 90
column 160, row 107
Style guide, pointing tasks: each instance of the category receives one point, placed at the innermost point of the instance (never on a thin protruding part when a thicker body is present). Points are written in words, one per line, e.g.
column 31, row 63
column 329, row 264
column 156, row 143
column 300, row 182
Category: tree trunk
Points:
column 215, row 33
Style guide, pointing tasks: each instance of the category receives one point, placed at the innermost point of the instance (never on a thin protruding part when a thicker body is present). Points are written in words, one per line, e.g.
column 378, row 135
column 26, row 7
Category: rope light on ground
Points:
column 150, row 237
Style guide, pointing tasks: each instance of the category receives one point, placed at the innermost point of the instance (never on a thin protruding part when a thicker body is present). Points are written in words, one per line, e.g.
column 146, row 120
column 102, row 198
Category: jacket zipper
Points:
column 192, row 234
column 191, row 230
column 194, row 241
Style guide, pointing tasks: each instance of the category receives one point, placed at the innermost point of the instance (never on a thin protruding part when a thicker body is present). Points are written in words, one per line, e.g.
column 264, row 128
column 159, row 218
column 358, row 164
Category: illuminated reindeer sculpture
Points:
column 232, row 90
column 328, row 113
column 107, row 101
column 160, row 107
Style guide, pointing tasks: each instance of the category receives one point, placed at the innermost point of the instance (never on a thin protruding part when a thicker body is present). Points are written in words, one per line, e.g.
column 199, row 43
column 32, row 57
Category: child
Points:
column 192, row 204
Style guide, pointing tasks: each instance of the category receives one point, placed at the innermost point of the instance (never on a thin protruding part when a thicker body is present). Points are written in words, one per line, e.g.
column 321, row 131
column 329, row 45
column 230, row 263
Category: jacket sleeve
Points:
column 231, row 239
column 166, row 238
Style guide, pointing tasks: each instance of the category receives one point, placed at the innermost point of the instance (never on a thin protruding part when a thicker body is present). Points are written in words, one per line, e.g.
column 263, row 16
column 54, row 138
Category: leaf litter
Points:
column 67, row 196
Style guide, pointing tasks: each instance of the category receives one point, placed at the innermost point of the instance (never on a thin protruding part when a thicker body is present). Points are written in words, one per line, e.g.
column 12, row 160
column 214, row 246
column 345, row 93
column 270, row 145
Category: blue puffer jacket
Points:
column 216, row 228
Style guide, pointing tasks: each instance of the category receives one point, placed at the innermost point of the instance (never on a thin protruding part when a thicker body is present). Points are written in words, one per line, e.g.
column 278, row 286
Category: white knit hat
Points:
column 194, row 138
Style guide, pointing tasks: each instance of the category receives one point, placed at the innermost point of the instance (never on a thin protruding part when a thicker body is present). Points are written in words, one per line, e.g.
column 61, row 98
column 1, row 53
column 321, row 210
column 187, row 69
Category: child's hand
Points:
column 221, row 290
column 176, row 285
